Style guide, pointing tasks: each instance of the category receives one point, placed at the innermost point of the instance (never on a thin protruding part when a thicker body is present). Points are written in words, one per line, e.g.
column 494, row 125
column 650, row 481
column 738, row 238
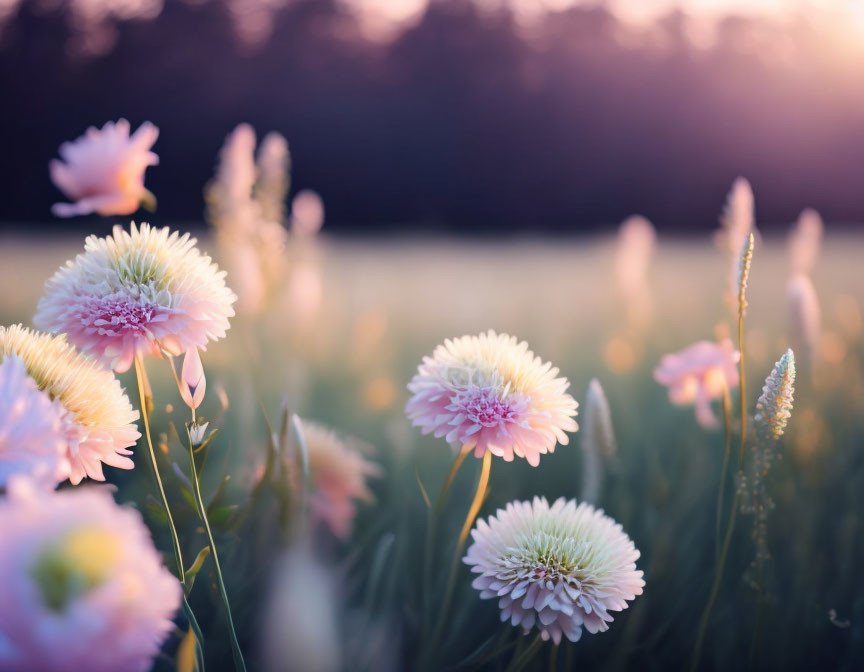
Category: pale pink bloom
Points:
column 32, row 442
column 83, row 586
column 245, row 204
column 271, row 186
column 562, row 567
column 633, row 251
column 805, row 240
column 338, row 473
column 490, row 392
column 698, row 374
column 307, row 213
column 103, row 171
column 193, row 383
column 139, row 291
column 98, row 422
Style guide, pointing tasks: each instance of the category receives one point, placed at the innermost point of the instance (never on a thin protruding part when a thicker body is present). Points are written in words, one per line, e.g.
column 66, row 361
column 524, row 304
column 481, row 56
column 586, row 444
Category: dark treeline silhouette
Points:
column 464, row 123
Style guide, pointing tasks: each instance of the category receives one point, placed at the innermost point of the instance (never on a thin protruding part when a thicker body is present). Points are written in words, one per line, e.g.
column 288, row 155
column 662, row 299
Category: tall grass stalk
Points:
column 745, row 262
column 724, row 471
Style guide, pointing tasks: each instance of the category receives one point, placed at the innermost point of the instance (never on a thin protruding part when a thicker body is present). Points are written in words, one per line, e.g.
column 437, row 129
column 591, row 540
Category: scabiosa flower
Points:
column 137, row 291
column 84, row 588
column 31, row 429
column 103, row 171
column 490, row 392
column 562, row 567
column 698, row 374
column 338, row 472
column 98, row 422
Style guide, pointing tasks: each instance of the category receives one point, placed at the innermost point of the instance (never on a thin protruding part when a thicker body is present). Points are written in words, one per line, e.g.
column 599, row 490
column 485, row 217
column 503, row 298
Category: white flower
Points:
column 490, row 392
column 137, row 292
column 560, row 568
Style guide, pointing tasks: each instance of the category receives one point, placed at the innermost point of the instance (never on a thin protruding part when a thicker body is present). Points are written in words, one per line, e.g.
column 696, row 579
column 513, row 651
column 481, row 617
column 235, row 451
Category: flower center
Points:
column 484, row 407
column 77, row 564
column 113, row 316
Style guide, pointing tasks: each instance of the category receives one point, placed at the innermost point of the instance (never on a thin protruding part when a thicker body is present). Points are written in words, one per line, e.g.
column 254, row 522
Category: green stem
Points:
column 742, row 382
column 473, row 510
column 141, row 375
column 518, row 664
column 432, row 531
column 715, row 588
column 727, row 428
column 143, row 386
column 202, row 512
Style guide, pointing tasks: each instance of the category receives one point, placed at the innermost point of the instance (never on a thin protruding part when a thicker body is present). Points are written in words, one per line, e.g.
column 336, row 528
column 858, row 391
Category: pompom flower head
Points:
column 490, row 392
column 698, row 374
column 31, row 429
column 137, row 291
column 561, row 567
column 97, row 420
column 338, row 472
column 103, row 170
column 84, row 588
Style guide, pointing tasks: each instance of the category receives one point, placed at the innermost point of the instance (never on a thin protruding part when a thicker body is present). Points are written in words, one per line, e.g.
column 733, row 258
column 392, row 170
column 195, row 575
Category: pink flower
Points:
column 698, row 374
column 83, row 586
column 137, row 291
column 31, row 429
column 97, row 422
column 193, row 383
column 103, row 171
column 489, row 392
column 338, row 472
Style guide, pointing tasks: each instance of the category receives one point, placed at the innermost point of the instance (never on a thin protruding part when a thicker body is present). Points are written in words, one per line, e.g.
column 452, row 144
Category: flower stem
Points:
column 473, row 510
column 141, row 375
column 715, row 588
column 432, row 529
column 742, row 382
column 202, row 512
column 518, row 664
column 143, row 396
column 727, row 429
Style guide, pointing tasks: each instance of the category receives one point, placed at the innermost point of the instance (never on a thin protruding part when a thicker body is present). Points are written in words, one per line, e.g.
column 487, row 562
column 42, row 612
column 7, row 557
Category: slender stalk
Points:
column 727, row 429
column 473, row 510
column 553, row 658
column 742, row 381
column 715, row 588
column 143, row 385
column 143, row 396
column 432, row 529
column 202, row 512
column 518, row 663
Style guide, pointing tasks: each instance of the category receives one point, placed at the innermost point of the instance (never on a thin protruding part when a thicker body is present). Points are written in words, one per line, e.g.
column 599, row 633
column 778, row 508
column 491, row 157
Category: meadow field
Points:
column 341, row 337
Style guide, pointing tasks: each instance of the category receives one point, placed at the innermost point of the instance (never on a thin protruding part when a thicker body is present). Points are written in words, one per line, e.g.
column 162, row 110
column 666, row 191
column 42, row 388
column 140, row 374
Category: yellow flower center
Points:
column 80, row 562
